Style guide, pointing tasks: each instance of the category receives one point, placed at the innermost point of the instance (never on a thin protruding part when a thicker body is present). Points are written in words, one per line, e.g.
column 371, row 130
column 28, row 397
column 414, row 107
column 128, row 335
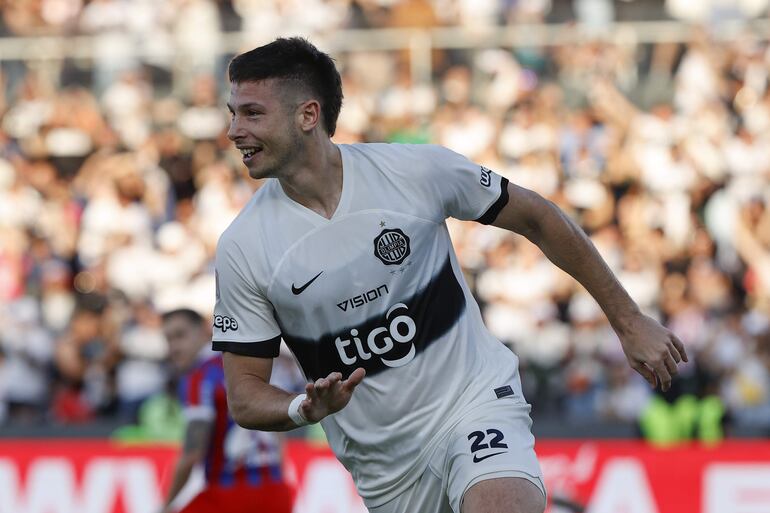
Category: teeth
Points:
column 248, row 152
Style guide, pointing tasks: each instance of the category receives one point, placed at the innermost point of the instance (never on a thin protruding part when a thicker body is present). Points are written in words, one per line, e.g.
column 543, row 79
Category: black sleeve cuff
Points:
column 263, row 349
column 491, row 214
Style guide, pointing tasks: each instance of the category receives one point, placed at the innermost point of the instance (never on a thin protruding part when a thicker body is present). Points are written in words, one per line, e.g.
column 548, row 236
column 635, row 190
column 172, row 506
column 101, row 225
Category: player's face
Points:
column 262, row 126
column 185, row 340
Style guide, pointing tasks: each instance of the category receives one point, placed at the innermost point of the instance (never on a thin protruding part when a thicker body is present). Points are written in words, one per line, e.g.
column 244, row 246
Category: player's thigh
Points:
column 493, row 446
column 504, row 495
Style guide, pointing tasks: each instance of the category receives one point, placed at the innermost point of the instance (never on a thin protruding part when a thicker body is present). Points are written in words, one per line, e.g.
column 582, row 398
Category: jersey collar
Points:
column 344, row 203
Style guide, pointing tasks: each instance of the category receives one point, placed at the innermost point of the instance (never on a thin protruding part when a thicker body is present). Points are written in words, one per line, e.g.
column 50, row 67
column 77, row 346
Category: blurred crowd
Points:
column 197, row 25
column 113, row 193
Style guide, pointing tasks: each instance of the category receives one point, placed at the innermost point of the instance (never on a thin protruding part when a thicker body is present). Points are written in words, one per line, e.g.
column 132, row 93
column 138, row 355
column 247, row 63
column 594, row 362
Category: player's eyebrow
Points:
column 244, row 106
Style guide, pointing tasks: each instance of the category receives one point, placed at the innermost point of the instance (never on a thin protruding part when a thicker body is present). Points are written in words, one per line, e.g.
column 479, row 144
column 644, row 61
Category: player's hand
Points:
column 652, row 350
column 329, row 395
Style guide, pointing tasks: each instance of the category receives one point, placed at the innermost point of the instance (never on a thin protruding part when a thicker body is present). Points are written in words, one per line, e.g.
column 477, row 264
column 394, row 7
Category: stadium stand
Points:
column 116, row 179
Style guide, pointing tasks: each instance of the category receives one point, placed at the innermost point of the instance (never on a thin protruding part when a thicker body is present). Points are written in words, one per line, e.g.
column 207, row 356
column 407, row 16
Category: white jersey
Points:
column 376, row 286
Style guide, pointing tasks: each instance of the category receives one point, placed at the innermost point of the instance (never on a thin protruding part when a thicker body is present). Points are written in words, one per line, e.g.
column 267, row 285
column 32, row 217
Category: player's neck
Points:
column 316, row 182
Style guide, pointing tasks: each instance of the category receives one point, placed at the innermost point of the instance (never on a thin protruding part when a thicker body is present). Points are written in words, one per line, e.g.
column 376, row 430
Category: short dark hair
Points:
column 191, row 315
column 294, row 59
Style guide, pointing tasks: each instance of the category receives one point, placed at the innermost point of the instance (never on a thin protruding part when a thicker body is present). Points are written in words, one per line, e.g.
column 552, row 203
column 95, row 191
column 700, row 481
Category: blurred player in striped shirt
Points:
column 242, row 467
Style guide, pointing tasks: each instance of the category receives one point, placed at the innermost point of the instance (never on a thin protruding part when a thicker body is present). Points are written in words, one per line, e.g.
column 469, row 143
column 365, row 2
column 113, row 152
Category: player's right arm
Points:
column 248, row 334
column 256, row 404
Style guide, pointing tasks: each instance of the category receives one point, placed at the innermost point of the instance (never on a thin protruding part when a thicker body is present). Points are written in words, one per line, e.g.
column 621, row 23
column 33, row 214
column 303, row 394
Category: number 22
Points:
column 478, row 443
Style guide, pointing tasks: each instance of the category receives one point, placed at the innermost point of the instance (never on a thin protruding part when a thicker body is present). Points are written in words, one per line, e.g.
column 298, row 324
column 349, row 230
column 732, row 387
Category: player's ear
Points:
column 308, row 115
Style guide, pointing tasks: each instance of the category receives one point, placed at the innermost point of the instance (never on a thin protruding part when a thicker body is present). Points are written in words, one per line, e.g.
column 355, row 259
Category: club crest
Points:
column 391, row 246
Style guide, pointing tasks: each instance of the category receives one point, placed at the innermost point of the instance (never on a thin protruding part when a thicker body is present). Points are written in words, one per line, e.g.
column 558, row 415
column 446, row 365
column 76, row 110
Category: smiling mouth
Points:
column 249, row 152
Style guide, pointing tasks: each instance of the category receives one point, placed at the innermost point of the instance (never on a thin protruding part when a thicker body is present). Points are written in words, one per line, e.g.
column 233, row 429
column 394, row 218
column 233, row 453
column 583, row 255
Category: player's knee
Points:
column 504, row 495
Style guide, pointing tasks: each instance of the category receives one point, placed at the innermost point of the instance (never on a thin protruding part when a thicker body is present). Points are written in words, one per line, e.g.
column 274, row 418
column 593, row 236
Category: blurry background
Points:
column 647, row 121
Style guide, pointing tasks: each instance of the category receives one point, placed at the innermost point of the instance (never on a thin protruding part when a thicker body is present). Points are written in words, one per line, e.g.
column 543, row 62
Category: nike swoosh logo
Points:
column 476, row 459
column 298, row 290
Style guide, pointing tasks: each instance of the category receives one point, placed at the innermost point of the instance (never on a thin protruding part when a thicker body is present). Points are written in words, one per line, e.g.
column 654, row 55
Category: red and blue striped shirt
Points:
column 235, row 455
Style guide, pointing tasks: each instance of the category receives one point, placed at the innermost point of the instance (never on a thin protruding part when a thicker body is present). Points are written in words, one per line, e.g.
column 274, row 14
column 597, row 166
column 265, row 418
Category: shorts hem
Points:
column 496, row 474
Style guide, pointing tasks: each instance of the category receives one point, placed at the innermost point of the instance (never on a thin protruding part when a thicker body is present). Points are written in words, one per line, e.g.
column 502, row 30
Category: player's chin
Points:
column 259, row 172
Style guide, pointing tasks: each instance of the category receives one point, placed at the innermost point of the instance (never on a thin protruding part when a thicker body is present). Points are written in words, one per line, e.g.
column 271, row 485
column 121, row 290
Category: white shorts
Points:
column 493, row 440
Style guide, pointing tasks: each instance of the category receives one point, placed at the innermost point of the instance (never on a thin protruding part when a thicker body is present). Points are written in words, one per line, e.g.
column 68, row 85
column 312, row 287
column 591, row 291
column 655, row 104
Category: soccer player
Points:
column 242, row 467
column 344, row 253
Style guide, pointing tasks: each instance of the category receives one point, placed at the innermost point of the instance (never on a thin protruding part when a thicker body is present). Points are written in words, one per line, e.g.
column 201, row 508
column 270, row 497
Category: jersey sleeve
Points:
column 244, row 320
column 465, row 190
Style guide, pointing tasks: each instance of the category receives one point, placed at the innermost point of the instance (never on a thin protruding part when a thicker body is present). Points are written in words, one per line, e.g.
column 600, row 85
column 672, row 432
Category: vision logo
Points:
column 362, row 299
column 401, row 329
column 391, row 246
column 225, row 323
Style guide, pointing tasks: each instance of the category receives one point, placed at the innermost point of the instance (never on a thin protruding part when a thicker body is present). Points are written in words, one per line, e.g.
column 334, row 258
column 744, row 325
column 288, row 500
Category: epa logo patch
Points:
column 391, row 246
column 225, row 323
column 486, row 177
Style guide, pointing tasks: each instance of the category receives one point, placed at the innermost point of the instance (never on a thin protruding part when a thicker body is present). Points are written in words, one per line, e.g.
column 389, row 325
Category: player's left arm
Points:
column 194, row 449
column 652, row 350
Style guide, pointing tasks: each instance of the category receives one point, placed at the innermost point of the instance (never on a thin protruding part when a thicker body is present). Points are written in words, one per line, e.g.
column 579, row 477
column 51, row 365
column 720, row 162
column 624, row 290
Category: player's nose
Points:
column 235, row 131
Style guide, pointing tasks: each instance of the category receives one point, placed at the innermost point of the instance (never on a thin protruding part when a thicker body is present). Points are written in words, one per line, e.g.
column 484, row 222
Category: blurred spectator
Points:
column 27, row 353
column 715, row 10
column 140, row 372
column 195, row 29
column 116, row 215
column 596, row 15
column 86, row 356
column 754, row 384
column 626, row 395
column 106, row 21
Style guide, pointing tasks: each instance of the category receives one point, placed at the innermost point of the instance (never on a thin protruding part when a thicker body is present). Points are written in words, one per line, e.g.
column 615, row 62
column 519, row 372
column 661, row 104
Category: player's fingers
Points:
column 321, row 385
column 679, row 347
column 646, row 373
column 310, row 391
column 334, row 377
column 670, row 364
column 673, row 352
column 663, row 375
column 354, row 379
column 337, row 384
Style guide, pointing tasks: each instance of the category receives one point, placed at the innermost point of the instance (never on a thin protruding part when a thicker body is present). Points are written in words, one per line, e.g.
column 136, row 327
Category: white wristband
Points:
column 294, row 413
